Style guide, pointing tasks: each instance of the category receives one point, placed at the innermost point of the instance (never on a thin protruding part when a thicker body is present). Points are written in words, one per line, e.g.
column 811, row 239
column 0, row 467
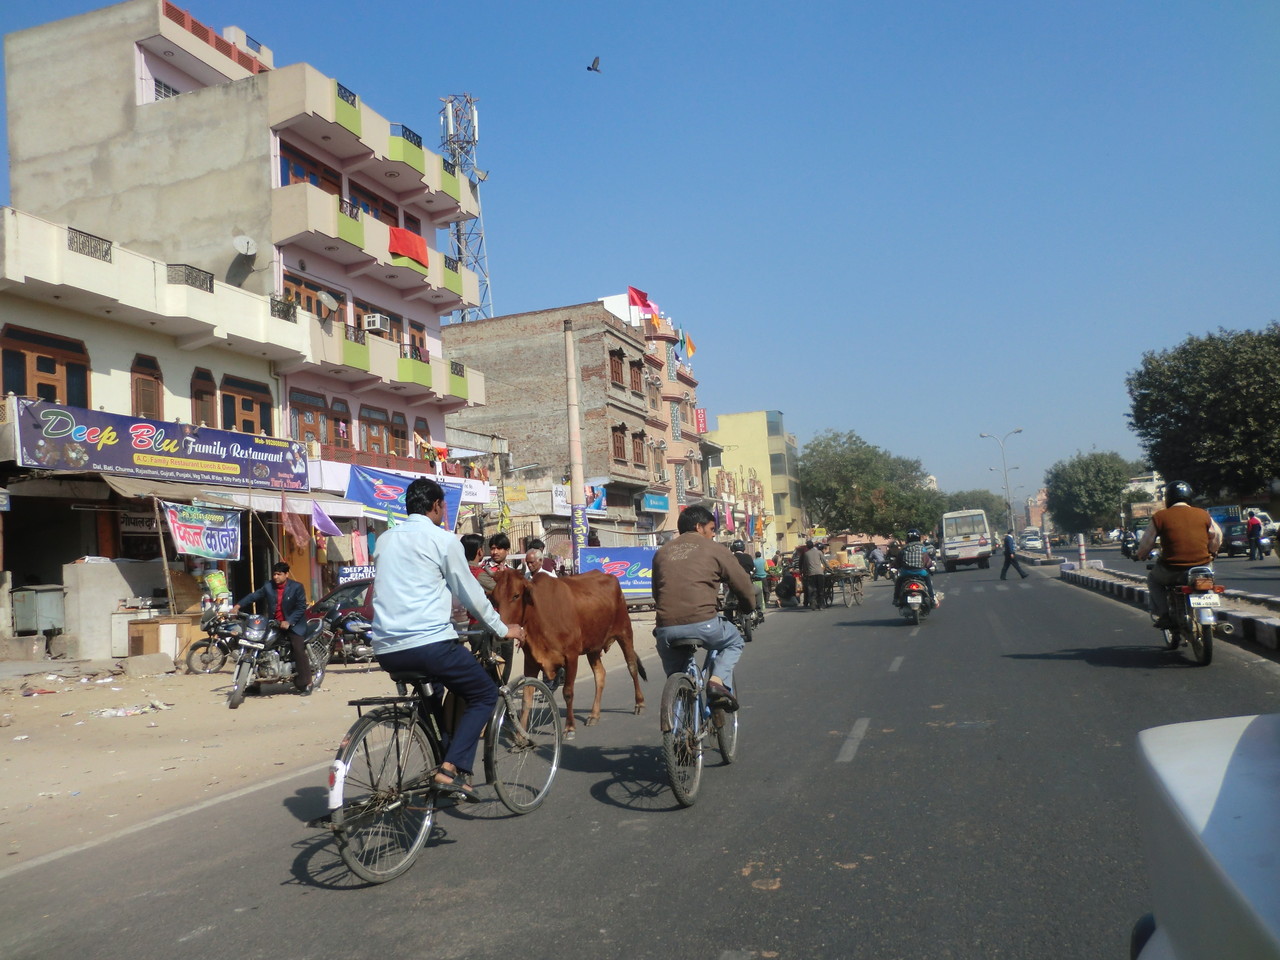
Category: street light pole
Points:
column 1004, row 467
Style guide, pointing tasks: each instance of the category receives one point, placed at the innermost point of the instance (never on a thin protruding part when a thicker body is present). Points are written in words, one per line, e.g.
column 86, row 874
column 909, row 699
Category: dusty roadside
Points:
column 68, row 776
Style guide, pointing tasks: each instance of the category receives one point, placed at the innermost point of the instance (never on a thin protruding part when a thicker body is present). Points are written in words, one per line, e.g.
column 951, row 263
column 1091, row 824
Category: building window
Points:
column 204, row 398
column 246, row 406
column 148, row 388
column 340, row 424
column 637, row 377
column 45, row 366
column 619, row 443
column 373, row 430
column 615, row 366
column 164, row 91
column 397, row 322
column 422, row 440
column 412, row 224
column 779, row 504
column 398, row 436
column 375, row 206
column 637, row 448
column 306, row 294
column 308, row 417
column 297, row 167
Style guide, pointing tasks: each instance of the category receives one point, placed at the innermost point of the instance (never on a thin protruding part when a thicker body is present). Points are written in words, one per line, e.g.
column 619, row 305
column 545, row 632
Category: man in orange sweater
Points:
column 1188, row 536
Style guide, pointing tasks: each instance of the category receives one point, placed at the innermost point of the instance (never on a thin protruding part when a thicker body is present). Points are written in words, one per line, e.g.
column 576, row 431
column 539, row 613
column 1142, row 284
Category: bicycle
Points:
column 687, row 719
column 382, row 800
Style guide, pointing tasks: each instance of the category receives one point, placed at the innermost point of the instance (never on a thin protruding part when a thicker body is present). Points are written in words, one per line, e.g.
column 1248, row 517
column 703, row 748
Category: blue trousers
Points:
column 715, row 634
column 452, row 664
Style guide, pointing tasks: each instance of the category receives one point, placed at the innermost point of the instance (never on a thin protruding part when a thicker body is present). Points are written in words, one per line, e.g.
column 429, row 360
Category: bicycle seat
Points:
column 679, row 643
column 411, row 677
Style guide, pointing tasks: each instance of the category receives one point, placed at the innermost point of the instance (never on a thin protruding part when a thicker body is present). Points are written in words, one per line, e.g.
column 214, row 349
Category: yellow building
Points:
column 759, row 469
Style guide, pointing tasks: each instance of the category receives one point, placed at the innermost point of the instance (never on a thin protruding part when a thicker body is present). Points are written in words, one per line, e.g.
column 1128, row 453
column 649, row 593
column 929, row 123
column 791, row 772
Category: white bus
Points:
column 966, row 538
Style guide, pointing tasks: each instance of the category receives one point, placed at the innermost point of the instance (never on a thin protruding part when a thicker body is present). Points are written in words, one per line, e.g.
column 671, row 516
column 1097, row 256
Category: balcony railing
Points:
column 191, row 276
column 353, row 334
column 284, row 309
column 86, row 243
column 450, row 167
column 411, row 351
column 347, row 95
column 457, row 369
column 451, row 263
column 348, row 208
column 400, row 130
column 379, row 461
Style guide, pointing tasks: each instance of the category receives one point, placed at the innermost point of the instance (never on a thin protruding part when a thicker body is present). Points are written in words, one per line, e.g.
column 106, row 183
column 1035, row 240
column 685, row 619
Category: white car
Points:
column 1032, row 543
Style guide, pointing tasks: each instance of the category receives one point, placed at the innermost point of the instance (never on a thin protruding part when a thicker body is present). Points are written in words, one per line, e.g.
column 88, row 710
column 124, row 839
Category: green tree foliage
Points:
column 991, row 503
column 1206, row 410
column 849, row 484
column 1085, row 492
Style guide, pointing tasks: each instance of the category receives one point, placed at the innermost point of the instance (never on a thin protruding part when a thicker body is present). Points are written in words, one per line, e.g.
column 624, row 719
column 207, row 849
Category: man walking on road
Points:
column 1253, row 530
column 814, row 567
column 1011, row 556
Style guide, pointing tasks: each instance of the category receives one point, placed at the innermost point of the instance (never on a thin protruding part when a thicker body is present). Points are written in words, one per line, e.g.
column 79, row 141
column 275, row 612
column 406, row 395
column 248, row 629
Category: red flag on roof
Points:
column 637, row 298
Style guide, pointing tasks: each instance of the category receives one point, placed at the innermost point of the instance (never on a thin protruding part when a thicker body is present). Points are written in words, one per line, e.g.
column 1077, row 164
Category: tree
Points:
column 1206, row 410
column 991, row 503
column 849, row 484
column 1085, row 492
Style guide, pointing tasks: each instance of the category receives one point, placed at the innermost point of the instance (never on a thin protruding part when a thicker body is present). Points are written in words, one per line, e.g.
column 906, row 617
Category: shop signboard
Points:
column 655, row 503
column 382, row 493
column 633, row 566
column 54, row 437
column 360, row 571
column 595, row 496
column 203, row 531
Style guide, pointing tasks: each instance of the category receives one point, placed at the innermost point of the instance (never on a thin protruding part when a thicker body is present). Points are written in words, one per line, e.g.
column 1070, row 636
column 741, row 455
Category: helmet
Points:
column 913, row 535
column 737, row 546
column 1177, row 492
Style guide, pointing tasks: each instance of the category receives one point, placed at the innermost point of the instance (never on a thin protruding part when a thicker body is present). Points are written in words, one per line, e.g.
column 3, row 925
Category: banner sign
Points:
column 594, row 494
column 700, row 419
column 356, row 572
column 633, row 566
column 54, row 437
column 655, row 503
column 579, row 533
column 382, row 493
column 202, row 531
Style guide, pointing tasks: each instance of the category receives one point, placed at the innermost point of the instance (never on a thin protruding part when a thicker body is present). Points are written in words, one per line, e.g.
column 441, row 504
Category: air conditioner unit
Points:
column 376, row 323
column 663, row 476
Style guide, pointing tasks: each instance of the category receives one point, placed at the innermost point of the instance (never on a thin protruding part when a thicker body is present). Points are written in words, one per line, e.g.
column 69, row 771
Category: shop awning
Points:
column 260, row 500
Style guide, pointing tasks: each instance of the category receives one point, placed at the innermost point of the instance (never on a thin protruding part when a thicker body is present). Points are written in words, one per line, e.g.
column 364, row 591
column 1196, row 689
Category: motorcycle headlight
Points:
column 256, row 629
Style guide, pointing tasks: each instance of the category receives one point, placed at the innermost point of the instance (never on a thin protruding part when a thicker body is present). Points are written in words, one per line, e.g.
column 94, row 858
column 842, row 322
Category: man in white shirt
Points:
column 420, row 568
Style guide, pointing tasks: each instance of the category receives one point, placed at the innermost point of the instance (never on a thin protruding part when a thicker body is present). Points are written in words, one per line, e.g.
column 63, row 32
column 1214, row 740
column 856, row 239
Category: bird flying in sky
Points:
column 595, row 65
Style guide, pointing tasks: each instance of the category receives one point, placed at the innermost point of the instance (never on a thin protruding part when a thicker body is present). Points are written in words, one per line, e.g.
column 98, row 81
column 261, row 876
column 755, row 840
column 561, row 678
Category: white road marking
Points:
column 1002, row 586
column 914, row 631
column 851, row 742
column 979, row 589
column 897, row 662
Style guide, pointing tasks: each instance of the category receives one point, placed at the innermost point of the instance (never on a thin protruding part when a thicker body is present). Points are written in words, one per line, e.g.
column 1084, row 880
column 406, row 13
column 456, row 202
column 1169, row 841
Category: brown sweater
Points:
column 687, row 573
column 1184, row 533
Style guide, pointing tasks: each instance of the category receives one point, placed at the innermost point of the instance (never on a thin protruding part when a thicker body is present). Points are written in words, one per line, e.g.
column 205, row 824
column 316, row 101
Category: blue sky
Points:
column 917, row 221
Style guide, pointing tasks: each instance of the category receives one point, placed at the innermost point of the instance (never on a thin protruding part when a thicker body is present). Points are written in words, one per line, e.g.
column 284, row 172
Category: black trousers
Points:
column 1010, row 560
column 302, row 662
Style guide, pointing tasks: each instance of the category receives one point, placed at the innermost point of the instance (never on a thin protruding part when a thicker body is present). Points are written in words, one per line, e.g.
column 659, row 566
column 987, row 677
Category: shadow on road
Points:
column 634, row 777
column 1143, row 657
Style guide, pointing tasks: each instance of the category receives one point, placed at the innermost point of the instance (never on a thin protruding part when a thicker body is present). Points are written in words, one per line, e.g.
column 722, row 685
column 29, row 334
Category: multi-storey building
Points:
column 640, row 433
column 246, row 246
column 760, row 465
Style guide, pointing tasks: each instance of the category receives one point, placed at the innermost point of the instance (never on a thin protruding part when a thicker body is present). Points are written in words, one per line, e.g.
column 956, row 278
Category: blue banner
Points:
column 633, row 566
column 54, row 437
column 382, row 493
column 655, row 503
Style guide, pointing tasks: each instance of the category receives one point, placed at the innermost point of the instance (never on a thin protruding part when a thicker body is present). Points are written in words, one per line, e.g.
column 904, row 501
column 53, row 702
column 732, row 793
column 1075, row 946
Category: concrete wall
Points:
column 175, row 179
column 94, row 592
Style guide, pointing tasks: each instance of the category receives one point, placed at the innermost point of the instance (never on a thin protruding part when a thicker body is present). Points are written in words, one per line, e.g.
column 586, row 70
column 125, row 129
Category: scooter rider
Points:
column 916, row 561
column 1189, row 537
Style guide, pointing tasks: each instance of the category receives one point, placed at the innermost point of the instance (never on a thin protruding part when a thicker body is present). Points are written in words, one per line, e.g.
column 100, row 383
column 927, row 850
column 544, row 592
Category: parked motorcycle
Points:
column 1193, row 614
column 223, row 636
column 349, row 633
column 913, row 598
column 265, row 655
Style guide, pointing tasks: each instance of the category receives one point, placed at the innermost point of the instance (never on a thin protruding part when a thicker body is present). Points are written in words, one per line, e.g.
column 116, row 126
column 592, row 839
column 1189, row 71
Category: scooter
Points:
column 914, row 601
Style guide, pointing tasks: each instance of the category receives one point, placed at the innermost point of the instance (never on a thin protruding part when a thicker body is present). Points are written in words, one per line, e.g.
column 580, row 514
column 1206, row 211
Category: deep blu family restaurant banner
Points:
column 633, row 566
column 203, row 531
column 382, row 493
column 68, row 438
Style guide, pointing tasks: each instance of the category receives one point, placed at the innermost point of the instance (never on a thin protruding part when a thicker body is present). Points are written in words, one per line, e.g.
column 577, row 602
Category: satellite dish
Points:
column 245, row 246
column 327, row 301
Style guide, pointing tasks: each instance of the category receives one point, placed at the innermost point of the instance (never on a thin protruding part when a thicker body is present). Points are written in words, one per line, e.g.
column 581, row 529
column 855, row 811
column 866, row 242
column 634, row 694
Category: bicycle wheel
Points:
column 857, row 591
column 382, row 809
column 522, row 745
column 205, row 656
column 681, row 738
column 726, row 727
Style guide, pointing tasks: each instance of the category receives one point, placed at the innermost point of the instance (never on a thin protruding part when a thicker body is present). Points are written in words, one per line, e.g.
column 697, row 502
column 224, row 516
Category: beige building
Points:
column 759, row 469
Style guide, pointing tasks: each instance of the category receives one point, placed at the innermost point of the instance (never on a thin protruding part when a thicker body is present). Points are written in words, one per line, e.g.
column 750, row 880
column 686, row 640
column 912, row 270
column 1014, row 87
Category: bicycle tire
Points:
column 726, row 727
column 205, row 656
column 857, row 591
column 239, row 684
column 681, row 738
column 384, row 814
column 522, row 753
column 846, row 593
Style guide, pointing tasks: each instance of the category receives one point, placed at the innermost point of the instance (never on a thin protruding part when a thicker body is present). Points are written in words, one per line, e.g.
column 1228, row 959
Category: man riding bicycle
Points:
column 419, row 564
column 1189, row 537
column 687, row 573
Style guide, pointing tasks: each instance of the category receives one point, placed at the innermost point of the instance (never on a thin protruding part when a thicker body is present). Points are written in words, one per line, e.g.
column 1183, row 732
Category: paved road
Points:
column 964, row 789
column 1237, row 573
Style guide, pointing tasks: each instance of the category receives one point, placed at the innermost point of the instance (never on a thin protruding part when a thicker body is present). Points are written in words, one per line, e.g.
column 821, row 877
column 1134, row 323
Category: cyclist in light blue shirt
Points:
column 420, row 568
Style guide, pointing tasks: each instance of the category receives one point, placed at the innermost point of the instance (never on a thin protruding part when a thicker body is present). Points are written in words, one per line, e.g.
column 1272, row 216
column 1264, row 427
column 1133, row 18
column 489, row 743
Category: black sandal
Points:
column 456, row 786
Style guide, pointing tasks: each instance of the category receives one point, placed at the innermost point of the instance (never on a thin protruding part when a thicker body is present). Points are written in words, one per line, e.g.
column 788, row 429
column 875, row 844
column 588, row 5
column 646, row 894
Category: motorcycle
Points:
column 882, row 569
column 223, row 636
column 1128, row 546
column 265, row 655
column 1192, row 614
column 350, row 637
column 913, row 598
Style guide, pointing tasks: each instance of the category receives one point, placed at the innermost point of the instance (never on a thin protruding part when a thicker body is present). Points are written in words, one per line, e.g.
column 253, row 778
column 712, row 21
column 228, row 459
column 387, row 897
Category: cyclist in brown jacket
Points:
column 1189, row 537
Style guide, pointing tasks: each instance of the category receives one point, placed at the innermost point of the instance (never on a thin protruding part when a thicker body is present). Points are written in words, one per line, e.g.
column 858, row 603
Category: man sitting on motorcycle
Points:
column 285, row 601
column 915, row 561
column 1189, row 537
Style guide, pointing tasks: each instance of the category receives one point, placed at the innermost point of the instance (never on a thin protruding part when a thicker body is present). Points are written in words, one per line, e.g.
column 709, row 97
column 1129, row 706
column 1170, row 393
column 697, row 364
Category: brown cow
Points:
column 564, row 618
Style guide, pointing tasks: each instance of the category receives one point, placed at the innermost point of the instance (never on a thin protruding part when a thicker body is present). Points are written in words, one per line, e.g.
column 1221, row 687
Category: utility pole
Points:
column 577, row 481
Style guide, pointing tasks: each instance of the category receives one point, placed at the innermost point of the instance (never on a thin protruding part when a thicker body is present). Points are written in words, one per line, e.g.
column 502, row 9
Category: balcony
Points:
column 376, row 461
column 658, row 329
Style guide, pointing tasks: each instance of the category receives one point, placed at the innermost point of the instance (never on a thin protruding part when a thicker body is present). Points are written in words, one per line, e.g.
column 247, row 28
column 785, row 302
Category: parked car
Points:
column 1235, row 540
column 356, row 595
